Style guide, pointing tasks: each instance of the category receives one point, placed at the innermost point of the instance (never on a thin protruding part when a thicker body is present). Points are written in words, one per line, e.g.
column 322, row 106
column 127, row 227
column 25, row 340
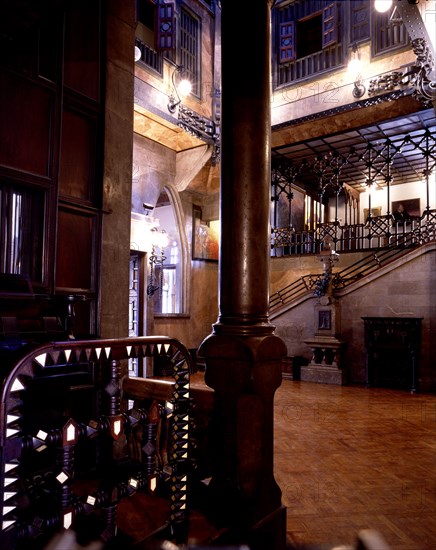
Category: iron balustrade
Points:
column 385, row 242
column 386, row 37
column 377, row 232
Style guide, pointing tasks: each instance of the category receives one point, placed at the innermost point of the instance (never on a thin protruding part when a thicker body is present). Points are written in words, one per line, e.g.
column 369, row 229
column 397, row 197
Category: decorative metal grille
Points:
column 375, row 162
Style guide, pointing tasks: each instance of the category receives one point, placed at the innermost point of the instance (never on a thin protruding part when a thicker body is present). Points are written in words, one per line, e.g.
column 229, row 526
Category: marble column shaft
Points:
column 245, row 167
column 242, row 355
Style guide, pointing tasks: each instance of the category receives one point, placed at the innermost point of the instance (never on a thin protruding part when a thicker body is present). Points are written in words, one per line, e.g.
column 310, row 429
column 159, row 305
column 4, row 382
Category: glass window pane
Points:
column 21, row 232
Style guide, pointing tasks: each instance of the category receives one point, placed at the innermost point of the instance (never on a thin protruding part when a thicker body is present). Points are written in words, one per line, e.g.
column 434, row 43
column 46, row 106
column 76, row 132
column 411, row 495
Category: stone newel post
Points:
column 243, row 356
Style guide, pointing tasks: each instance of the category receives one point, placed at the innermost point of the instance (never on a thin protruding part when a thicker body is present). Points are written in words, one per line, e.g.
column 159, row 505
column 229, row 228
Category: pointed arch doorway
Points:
column 159, row 264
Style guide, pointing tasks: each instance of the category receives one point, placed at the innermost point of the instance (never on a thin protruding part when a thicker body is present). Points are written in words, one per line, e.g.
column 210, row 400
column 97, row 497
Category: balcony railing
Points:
column 319, row 62
column 376, row 233
column 395, row 240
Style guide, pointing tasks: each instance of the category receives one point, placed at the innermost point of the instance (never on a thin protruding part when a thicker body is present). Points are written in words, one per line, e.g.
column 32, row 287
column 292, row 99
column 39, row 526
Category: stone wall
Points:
column 154, row 168
column 192, row 328
column 117, row 171
column 406, row 289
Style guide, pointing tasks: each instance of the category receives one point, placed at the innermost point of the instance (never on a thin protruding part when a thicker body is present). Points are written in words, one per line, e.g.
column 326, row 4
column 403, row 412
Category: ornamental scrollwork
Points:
column 386, row 82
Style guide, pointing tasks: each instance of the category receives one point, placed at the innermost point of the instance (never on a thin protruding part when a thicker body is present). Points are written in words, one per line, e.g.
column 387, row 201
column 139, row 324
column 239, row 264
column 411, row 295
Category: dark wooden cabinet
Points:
column 393, row 347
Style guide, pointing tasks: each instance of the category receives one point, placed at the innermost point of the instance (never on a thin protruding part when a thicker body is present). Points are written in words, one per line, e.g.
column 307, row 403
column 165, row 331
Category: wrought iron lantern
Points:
column 157, row 258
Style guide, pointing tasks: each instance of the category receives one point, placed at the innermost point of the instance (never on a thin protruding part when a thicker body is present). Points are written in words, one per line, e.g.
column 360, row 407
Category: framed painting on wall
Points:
column 375, row 212
column 205, row 237
column 412, row 207
column 292, row 212
column 324, row 319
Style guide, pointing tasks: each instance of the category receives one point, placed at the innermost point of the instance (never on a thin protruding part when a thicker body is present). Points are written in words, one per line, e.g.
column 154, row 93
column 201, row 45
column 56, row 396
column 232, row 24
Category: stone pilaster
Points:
column 117, row 173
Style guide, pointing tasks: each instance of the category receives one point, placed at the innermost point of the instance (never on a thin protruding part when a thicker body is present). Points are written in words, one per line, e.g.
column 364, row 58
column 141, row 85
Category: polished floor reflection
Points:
column 349, row 458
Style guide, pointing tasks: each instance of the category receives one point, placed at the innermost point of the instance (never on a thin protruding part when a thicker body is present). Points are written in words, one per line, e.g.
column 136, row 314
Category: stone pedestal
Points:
column 325, row 366
column 243, row 494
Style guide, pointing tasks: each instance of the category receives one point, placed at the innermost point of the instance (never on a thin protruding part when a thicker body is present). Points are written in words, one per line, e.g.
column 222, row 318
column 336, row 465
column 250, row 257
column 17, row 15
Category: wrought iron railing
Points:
column 69, row 450
column 377, row 232
column 396, row 240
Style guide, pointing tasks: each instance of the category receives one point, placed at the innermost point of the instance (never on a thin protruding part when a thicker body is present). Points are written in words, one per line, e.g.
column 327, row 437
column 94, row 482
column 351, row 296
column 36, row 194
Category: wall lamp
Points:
column 355, row 68
column 192, row 122
column 382, row 6
column 147, row 208
column 359, row 89
column 181, row 89
column 159, row 241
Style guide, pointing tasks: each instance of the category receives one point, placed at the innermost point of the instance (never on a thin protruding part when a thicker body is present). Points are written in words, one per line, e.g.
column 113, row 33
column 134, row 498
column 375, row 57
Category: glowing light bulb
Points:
column 184, row 88
column 355, row 66
column 382, row 6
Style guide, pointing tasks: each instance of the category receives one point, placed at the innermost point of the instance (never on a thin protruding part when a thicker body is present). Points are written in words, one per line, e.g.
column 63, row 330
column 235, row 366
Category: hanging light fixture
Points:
column 159, row 241
column 181, row 89
column 355, row 69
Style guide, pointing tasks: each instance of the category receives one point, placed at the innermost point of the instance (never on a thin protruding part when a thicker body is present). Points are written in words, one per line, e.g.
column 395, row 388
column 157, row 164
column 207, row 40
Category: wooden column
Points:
column 243, row 356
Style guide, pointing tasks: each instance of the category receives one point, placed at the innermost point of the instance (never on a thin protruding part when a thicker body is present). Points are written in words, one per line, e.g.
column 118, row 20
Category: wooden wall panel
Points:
column 31, row 40
column 82, row 48
column 51, row 126
column 77, row 160
column 75, row 250
column 83, row 325
column 26, row 113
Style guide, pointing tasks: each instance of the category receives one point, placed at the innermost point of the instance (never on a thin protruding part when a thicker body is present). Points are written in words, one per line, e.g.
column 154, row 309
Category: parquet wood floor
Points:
column 349, row 458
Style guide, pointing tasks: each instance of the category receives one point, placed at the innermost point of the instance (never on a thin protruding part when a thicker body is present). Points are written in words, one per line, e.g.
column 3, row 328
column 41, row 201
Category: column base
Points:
column 323, row 374
column 244, row 374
